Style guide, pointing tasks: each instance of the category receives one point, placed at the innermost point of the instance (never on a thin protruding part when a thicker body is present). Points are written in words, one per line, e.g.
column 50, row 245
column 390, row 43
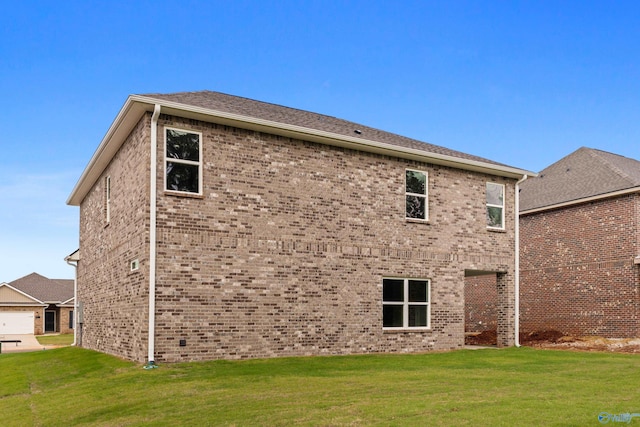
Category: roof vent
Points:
column 358, row 131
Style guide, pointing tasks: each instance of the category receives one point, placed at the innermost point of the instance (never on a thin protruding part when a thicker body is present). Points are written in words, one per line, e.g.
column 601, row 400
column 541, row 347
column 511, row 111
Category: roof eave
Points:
column 582, row 200
column 124, row 122
column 137, row 105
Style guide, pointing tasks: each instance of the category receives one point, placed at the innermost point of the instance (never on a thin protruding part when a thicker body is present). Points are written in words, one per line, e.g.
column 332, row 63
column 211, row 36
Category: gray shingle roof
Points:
column 291, row 116
column 582, row 174
column 44, row 289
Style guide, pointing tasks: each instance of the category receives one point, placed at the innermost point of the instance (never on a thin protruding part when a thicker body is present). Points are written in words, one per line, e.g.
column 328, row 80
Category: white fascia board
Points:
column 73, row 257
column 22, row 304
column 580, row 201
column 330, row 138
column 124, row 122
column 137, row 105
column 36, row 300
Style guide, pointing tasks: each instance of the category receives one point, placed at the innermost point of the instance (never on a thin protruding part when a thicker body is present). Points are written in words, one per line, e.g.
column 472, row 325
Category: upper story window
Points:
column 416, row 195
column 495, row 205
column 405, row 303
column 183, row 161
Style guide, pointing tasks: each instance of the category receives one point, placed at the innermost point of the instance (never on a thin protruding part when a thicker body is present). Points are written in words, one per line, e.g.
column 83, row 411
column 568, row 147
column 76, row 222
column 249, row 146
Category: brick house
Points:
column 37, row 305
column 580, row 252
column 214, row 226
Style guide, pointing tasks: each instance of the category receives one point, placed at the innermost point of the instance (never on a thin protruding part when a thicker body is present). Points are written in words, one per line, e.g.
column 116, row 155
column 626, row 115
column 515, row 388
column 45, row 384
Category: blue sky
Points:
column 523, row 83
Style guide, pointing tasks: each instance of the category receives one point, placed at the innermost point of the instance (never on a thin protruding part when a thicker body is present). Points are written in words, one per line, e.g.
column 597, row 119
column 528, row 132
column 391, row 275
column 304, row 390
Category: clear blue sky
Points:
column 523, row 83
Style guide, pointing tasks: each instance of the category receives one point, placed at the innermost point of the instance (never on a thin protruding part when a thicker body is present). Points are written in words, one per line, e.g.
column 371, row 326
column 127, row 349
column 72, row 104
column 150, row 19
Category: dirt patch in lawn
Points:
column 484, row 338
column 552, row 339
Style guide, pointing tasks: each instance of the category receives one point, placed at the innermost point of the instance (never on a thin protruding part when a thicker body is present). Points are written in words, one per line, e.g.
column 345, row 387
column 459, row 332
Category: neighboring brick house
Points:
column 580, row 236
column 37, row 305
column 223, row 227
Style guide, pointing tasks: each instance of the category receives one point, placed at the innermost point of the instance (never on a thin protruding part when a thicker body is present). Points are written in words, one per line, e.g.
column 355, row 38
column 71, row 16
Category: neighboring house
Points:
column 34, row 304
column 214, row 226
column 580, row 246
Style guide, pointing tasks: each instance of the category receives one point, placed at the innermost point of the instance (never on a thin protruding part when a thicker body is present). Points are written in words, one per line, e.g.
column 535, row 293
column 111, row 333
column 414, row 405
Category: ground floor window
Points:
column 71, row 319
column 406, row 303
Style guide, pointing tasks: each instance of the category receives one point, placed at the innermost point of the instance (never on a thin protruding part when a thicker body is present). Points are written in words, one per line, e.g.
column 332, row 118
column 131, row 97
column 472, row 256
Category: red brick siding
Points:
column 577, row 270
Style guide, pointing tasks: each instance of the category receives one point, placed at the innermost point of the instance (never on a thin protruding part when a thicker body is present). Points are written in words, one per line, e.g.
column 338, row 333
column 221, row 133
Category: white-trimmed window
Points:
column 495, row 206
column 183, row 161
column 406, row 303
column 416, row 204
column 107, row 199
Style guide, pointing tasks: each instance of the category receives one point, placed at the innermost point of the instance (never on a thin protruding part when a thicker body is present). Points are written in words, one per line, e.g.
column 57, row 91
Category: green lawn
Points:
column 72, row 386
column 58, row 339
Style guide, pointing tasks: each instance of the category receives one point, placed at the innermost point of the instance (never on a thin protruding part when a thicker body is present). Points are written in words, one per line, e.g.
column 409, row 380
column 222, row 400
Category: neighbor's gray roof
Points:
column 44, row 289
column 583, row 174
column 291, row 116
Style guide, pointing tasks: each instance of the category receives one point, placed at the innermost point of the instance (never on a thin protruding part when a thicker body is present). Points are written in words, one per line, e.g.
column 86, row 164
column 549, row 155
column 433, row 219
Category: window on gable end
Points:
column 495, row 206
column 183, row 161
column 416, row 202
column 107, row 199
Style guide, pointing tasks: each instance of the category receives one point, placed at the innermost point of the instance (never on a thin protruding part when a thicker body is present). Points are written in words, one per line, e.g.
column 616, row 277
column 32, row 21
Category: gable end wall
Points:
column 114, row 299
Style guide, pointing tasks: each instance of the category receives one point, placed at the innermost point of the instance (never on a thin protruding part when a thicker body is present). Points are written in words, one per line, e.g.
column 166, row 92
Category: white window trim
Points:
column 199, row 163
column 504, row 196
column 425, row 195
column 405, row 306
column 107, row 199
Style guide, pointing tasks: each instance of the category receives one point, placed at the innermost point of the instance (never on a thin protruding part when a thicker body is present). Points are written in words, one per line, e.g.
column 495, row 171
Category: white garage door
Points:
column 18, row 322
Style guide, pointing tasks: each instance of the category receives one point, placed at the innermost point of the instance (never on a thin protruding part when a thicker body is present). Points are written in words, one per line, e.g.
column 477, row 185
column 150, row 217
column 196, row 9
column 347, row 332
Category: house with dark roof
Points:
column 219, row 227
column 37, row 305
column 580, row 246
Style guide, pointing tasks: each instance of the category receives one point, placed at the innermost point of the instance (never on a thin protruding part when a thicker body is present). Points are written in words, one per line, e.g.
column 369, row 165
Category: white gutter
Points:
column 584, row 200
column 74, row 263
column 329, row 138
column 517, row 264
column 152, row 234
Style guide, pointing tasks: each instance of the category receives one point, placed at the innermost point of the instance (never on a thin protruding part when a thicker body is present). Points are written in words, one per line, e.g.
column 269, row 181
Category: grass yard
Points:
column 73, row 386
column 58, row 339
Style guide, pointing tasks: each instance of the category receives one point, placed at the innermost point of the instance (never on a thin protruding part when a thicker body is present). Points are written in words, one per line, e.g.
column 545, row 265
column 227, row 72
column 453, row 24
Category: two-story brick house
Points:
column 214, row 226
column 580, row 253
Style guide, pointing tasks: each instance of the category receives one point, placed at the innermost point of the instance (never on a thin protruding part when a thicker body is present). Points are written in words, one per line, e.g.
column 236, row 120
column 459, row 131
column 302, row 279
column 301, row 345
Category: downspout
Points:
column 152, row 236
column 74, row 264
column 517, row 263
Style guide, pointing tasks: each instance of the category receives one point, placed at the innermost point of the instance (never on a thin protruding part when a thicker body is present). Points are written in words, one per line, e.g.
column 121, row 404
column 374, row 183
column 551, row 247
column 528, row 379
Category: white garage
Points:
column 16, row 322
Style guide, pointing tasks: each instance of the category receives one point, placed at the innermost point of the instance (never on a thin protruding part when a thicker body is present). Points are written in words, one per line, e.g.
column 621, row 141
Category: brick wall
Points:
column 577, row 270
column 115, row 299
column 481, row 303
column 64, row 314
column 285, row 252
